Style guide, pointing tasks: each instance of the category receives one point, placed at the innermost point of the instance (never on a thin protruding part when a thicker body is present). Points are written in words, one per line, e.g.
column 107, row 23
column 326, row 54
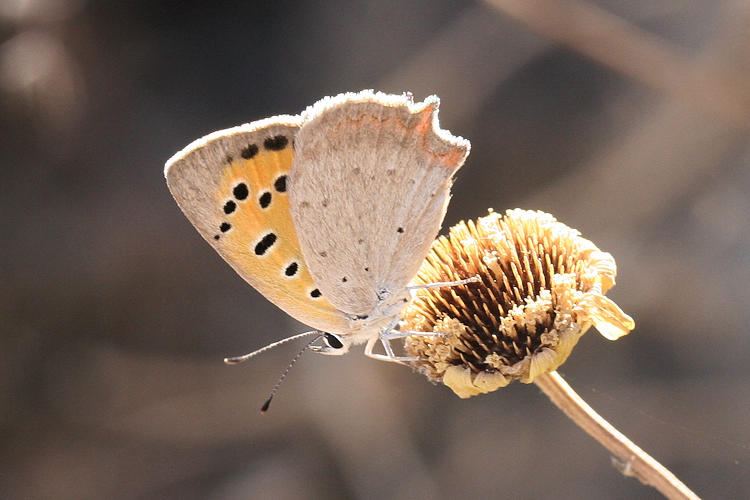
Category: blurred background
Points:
column 626, row 120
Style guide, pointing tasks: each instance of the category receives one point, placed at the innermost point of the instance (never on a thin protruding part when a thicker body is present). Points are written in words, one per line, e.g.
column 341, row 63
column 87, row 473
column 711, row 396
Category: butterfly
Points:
column 328, row 213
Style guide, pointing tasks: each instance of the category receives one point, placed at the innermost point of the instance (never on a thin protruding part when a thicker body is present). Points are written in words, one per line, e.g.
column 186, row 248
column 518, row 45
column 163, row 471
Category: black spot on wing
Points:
column 225, row 226
column 264, row 200
column 291, row 269
column 315, row 293
column 265, row 244
column 250, row 151
column 276, row 143
column 280, row 184
column 229, row 207
column 240, row 191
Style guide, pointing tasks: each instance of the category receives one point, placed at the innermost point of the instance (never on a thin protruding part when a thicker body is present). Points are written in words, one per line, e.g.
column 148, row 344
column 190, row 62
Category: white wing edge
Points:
column 294, row 120
column 392, row 100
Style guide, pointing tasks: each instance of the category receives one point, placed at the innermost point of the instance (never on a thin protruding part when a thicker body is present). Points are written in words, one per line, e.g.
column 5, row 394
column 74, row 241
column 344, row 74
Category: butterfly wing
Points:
column 232, row 186
column 368, row 189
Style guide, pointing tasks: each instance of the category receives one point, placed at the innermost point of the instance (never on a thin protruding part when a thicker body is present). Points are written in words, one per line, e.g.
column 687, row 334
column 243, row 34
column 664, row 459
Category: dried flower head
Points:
column 542, row 286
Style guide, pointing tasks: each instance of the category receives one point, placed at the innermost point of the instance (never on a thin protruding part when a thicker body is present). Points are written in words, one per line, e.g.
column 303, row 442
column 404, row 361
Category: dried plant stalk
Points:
column 541, row 286
column 630, row 459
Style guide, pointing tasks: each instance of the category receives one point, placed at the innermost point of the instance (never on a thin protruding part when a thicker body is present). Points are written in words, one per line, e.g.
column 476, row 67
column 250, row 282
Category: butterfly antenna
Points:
column 239, row 359
column 264, row 408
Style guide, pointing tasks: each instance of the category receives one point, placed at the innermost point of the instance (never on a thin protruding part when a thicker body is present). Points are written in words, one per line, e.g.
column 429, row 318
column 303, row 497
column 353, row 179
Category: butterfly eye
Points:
column 333, row 341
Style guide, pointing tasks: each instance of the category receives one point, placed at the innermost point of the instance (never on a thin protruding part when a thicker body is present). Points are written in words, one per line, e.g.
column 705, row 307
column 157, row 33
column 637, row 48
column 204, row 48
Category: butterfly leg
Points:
column 441, row 284
column 383, row 357
column 389, row 334
column 400, row 334
column 385, row 341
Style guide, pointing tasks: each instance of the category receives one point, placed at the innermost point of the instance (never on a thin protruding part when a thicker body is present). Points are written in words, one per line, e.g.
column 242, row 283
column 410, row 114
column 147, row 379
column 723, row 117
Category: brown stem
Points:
column 630, row 459
column 612, row 41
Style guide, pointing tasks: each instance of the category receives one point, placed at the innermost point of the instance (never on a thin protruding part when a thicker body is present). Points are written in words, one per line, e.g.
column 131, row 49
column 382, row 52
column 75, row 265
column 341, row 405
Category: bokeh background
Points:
column 626, row 119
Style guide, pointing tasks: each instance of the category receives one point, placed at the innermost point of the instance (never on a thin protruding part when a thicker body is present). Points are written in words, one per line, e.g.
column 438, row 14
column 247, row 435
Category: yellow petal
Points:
column 458, row 378
column 488, row 382
column 607, row 317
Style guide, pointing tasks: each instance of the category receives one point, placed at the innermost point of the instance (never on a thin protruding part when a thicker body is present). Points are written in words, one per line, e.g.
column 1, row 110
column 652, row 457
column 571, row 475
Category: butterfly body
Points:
column 330, row 213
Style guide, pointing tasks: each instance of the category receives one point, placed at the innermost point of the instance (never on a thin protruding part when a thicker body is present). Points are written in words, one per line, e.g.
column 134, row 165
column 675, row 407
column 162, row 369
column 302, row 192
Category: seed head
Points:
column 542, row 286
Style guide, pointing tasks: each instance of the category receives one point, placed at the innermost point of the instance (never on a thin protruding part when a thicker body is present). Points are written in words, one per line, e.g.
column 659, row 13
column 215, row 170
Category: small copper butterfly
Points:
column 329, row 213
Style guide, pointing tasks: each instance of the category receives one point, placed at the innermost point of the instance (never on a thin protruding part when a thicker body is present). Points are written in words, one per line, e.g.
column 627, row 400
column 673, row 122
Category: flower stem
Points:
column 629, row 458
